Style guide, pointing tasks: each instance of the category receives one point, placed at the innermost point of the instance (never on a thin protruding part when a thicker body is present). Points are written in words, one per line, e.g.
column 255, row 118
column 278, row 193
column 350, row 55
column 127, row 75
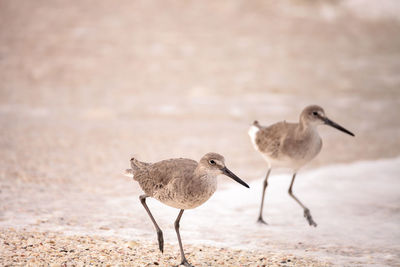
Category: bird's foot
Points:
column 261, row 221
column 160, row 241
column 185, row 263
column 309, row 218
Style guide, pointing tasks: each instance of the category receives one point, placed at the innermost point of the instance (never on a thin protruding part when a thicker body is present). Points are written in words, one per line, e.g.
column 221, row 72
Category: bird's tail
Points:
column 255, row 123
column 129, row 173
column 135, row 166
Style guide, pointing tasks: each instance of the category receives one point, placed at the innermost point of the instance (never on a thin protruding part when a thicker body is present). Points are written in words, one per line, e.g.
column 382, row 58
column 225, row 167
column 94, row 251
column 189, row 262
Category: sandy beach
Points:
column 86, row 86
column 56, row 249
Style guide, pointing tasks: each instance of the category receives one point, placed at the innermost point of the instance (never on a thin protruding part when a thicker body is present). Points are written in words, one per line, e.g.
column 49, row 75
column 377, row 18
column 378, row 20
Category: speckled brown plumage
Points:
column 179, row 183
column 176, row 182
column 282, row 141
column 291, row 145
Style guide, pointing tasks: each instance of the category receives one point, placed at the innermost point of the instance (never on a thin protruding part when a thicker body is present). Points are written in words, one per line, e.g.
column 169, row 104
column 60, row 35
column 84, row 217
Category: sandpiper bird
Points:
column 179, row 183
column 291, row 145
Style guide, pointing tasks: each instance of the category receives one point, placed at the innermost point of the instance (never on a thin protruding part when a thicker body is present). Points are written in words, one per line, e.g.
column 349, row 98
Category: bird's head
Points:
column 214, row 164
column 315, row 115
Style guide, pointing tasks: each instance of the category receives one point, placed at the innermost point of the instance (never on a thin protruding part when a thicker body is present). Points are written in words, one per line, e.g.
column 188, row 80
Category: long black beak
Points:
column 227, row 172
column 337, row 126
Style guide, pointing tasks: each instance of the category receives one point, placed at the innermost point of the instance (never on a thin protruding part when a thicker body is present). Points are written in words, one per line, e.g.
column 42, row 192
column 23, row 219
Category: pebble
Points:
column 56, row 249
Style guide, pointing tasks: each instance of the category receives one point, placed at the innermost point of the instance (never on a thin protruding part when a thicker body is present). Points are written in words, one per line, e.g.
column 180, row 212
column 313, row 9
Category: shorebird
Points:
column 291, row 145
column 180, row 183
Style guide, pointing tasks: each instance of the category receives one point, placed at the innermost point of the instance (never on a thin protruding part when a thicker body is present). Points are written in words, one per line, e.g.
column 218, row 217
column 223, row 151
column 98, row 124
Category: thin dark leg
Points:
column 307, row 213
column 260, row 218
column 159, row 232
column 176, row 224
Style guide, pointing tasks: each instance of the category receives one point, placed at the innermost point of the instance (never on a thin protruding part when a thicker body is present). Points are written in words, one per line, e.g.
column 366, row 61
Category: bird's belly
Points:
column 292, row 160
column 182, row 204
column 305, row 155
column 281, row 162
column 184, row 199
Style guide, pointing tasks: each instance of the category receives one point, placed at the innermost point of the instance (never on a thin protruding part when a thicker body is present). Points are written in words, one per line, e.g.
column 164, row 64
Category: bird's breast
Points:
column 182, row 194
column 304, row 150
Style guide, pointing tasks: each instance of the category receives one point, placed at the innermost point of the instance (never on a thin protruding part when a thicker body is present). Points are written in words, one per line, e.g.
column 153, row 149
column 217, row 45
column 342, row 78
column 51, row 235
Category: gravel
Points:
column 20, row 247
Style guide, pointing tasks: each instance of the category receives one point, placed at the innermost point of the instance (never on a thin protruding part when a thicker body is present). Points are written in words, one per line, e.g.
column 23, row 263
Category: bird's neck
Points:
column 205, row 179
column 306, row 128
column 204, row 174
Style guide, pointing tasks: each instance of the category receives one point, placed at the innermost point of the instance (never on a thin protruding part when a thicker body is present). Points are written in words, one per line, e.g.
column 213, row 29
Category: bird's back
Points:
column 268, row 140
column 285, row 145
column 156, row 176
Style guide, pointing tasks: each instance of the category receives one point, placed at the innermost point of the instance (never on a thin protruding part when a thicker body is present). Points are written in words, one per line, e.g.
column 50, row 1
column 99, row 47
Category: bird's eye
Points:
column 212, row 162
column 315, row 113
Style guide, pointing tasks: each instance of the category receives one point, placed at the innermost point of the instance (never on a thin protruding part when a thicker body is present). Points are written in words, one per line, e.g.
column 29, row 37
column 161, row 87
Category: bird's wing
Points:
column 158, row 175
column 269, row 139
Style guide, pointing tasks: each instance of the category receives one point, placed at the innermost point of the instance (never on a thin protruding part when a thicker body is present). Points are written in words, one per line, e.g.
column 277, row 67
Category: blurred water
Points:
column 356, row 207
